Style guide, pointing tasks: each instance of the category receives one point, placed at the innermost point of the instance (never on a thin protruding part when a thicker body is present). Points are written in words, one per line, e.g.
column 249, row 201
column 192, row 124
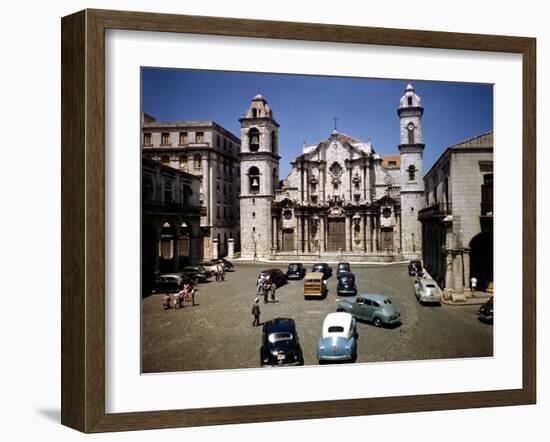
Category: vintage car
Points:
column 415, row 267
column 295, row 270
column 346, row 284
column 485, row 313
column 427, row 291
column 280, row 343
column 197, row 273
column 324, row 268
column 171, row 283
column 227, row 265
column 276, row 276
column 315, row 285
column 377, row 309
column 211, row 267
column 338, row 339
column 342, row 268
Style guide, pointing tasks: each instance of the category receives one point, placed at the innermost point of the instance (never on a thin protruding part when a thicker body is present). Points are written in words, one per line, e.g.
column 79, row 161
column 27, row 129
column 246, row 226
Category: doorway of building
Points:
column 336, row 234
column 481, row 259
column 288, row 240
column 386, row 239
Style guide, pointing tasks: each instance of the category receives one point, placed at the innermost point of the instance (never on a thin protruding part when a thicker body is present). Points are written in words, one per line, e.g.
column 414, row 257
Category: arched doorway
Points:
column 481, row 259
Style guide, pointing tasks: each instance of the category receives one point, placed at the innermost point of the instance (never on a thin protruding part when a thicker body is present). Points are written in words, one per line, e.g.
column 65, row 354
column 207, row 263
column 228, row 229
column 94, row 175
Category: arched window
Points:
column 254, row 139
column 254, row 179
column 410, row 101
column 254, row 113
column 275, row 179
column 165, row 160
column 197, row 162
column 412, row 172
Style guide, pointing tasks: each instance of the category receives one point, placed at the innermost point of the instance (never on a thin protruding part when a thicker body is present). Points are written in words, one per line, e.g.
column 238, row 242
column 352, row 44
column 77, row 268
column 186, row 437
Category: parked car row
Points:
column 173, row 282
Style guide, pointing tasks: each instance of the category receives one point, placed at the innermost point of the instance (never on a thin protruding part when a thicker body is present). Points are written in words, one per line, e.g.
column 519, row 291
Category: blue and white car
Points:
column 339, row 338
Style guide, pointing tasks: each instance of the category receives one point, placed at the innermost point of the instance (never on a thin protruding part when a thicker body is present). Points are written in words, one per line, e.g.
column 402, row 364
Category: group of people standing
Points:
column 178, row 299
column 265, row 288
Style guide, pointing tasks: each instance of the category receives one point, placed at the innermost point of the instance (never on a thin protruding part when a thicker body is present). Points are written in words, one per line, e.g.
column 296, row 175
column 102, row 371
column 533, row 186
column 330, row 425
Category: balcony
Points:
column 439, row 210
column 172, row 207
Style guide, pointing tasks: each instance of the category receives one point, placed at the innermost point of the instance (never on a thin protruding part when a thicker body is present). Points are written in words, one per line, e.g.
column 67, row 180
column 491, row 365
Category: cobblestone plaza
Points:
column 217, row 333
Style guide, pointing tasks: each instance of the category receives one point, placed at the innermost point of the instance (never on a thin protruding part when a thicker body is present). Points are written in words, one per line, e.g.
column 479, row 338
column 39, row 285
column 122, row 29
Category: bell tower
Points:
column 259, row 159
column 411, row 149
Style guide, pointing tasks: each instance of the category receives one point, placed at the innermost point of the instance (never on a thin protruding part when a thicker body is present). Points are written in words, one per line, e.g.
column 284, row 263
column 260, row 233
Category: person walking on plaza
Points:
column 473, row 284
column 221, row 270
column 256, row 312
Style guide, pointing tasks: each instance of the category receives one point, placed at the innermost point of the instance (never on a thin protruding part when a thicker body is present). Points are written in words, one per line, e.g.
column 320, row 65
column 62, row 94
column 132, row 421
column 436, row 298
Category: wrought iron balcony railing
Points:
column 436, row 211
column 173, row 207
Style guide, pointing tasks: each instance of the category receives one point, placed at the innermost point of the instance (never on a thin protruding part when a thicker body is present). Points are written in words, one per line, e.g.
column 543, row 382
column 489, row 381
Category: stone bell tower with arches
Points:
column 259, row 159
column 411, row 149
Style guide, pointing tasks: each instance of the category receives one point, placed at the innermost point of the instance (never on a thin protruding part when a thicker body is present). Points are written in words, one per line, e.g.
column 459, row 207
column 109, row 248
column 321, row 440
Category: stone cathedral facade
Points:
column 341, row 199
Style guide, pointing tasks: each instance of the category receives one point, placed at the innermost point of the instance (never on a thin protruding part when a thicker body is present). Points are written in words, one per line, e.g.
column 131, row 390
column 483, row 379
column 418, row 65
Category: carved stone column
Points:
column 348, row 233
column 376, row 233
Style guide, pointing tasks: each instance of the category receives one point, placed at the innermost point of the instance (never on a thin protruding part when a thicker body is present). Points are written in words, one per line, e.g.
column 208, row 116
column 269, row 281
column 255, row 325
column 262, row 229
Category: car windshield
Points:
column 336, row 329
column 278, row 337
column 346, row 278
column 318, row 268
column 294, row 267
column 343, row 266
column 430, row 286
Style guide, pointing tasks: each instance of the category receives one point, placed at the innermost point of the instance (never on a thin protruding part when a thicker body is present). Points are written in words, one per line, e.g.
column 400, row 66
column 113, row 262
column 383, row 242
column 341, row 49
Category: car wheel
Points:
column 377, row 322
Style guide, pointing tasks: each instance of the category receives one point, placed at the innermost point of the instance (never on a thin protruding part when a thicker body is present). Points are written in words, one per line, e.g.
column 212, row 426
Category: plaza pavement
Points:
column 218, row 333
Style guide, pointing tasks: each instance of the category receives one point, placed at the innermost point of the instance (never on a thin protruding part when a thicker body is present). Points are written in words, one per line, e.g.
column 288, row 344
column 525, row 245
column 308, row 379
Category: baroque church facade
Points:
column 340, row 199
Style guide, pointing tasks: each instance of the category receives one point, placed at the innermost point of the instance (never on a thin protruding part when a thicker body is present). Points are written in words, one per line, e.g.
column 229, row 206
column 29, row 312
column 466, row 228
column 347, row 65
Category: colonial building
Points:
column 457, row 221
column 171, row 237
column 210, row 152
column 340, row 198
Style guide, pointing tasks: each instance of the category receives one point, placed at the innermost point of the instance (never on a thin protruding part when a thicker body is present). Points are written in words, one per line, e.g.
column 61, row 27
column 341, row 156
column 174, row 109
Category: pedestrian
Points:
column 256, row 312
column 166, row 301
column 473, row 284
column 221, row 269
column 265, row 288
column 217, row 273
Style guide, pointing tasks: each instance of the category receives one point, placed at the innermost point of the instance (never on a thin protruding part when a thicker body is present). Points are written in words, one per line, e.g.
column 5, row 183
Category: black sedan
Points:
column 415, row 267
column 343, row 267
column 295, row 270
column 171, row 283
column 197, row 273
column 323, row 268
column 280, row 344
column 275, row 275
column 485, row 313
column 346, row 284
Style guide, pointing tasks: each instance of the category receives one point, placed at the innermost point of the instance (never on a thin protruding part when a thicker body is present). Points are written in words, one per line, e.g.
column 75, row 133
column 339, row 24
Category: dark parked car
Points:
column 227, row 265
column 346, row 284
column 276, row 276
column 280, row 343
column 295, row 271
column 197, row 273
column 485, row 313
column 324, row 268
column 343, row 267
column 415, row 267
column 171, row 283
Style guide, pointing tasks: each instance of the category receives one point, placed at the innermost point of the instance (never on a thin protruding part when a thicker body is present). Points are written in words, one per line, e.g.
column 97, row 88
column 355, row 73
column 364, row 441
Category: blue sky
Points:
column 305, row 107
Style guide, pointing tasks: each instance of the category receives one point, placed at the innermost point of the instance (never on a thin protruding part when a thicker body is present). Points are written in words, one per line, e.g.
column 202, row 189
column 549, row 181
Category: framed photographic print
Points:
column 267, row 221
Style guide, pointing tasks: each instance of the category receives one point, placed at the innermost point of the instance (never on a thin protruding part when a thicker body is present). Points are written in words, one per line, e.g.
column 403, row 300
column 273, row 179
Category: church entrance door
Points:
column 386, row 239
column 336, row 234
column 288, row 240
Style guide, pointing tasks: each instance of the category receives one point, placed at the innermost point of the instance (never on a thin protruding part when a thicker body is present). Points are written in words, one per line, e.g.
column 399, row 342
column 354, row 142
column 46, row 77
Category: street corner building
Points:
column 341, row 199
column 457, row 220
column 210, row 153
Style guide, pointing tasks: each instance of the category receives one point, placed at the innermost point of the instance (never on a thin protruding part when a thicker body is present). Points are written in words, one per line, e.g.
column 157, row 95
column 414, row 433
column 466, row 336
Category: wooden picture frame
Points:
column 83, row 220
